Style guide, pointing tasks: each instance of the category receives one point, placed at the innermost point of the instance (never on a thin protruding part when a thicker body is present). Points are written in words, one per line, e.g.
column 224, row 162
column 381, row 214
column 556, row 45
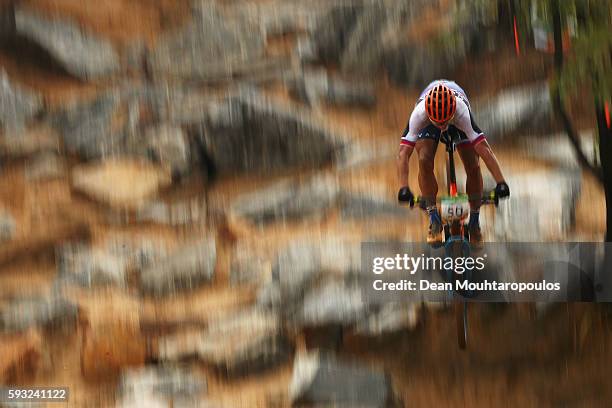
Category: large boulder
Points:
column 137, row 121
column 333, row 31
column 7, row 226
column 322, row 380
column 169, row 146
column 175, row 213
column 525, row 109
column 240, row 345
column 17, row 105
column 415, row 57
column 317, row 86
column 160, row 386
column 389, row 318
column 186, row 269
column 294, row 270
column 53, row 312
column 95, row 129
column 363, row 50
column 248, row 266
column 212, row 47
column 298, row 267
column 275, row 19
column 91, row 267
column 248, row 132
column 287, row 201
column 333, row 303
column 82, row 54
column 559, row 150
column 555, row 191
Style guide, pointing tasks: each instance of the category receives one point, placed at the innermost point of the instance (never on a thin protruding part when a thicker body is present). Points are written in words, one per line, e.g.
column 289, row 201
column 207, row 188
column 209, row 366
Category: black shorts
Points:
column 452, row 133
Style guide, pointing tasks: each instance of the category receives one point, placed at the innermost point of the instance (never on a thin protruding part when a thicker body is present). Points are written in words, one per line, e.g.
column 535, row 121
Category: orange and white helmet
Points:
column 440, row 104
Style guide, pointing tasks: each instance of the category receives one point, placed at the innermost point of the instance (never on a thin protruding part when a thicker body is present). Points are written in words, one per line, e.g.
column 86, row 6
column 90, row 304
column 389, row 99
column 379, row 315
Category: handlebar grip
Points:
column 419, row 202
column 491, row 198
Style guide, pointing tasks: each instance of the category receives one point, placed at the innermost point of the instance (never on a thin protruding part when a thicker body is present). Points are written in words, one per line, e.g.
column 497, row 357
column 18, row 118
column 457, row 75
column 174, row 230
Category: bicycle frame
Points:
column 455, row 243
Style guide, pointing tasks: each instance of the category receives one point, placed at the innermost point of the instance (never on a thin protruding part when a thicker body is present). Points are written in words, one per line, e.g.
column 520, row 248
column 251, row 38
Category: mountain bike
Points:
column 454, row 210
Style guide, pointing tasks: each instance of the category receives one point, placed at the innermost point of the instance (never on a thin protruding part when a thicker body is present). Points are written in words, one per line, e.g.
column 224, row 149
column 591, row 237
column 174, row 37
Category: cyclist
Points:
column 444, row 107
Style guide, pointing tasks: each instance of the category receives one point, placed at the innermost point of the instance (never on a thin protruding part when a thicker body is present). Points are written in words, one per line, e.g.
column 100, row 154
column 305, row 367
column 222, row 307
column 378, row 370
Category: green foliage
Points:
column 590, row 61
column 590, row 64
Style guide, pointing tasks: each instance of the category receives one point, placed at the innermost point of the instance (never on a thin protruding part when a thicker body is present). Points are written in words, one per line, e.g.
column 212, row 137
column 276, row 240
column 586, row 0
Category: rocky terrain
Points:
column 184, row 188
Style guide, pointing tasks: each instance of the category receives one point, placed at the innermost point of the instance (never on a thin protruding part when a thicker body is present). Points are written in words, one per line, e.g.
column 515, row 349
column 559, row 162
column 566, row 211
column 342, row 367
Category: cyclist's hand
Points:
column 405, row 196
column 502, row 190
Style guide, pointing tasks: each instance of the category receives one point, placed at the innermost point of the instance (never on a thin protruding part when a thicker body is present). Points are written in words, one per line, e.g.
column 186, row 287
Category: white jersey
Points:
column 462, row 120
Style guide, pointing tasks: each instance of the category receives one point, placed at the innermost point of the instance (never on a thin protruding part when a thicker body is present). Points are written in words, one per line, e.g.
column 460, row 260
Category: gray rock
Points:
column 415, row 62
column 136, row 254
column 51, row 313
column 185, row 269
column 160, row 386
column 322, row 380
column 390, row 318
column 176, row 213
column 250, row 133
column 7, row 226
column 286, row 201
column 363, row 49
column 247, row 343
column 295, row 269
column 415, row 65
column 332, row 303
column 91, row 267
column 89, row 130
column 248, row 267
column 300, row 265
column 316, row 87
column 558, row 150
column 212, row 47
column 169, row 145
column 558, row 188
column 177, row 105
column 81, row 54
column 17, row 105
column 306, row 50
column 524, row 109
column 333, row 31
column 278, row 18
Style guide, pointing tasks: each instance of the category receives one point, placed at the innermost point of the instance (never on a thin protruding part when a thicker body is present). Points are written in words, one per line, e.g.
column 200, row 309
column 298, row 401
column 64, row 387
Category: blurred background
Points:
column 184, row 187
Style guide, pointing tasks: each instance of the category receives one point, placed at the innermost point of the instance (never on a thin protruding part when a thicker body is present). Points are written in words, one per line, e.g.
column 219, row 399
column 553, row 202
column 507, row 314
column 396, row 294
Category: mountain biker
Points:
column 444, row 107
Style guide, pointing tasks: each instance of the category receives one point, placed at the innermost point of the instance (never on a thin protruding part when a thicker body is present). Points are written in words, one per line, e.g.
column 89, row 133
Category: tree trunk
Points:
column 605, row 157
column 557, row 101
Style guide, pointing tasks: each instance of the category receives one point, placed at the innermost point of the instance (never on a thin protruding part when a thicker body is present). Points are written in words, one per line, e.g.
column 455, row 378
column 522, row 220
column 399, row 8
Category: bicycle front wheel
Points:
column 461, row 320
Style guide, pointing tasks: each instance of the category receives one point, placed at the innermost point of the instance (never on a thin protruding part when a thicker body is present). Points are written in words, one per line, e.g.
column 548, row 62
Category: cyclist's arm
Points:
column 403, row 158
column 418, row 118
column 483, row 149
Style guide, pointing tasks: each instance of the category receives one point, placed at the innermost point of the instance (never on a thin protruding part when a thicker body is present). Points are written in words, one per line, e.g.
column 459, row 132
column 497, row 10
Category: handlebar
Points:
column 489, row 197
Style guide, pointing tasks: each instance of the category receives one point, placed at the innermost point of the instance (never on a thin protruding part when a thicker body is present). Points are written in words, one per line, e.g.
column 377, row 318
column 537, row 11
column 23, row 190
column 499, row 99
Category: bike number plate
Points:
column 455, row 208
